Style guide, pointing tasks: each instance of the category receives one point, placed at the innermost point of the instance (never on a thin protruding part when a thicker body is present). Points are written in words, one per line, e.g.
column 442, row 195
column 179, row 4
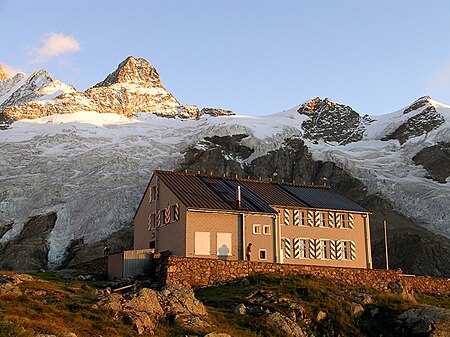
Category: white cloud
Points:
column 54, row 45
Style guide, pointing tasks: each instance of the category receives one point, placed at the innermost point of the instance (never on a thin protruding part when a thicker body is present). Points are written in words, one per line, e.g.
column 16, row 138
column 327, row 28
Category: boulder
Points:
column 285, row 325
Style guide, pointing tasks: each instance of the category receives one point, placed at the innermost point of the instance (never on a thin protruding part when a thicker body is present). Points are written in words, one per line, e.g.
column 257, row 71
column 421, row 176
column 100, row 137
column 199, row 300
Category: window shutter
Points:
column 176, row 215
column 313, row 249
column 331, row 220
column 296, row 217
column 167, row 215
column 311, row 218
column 339, row 246
column 333, row 249
column 287, row 248
column 338, row 220
column 158, row 219
column 351, row 221
column 352, row 250
column 296, row 242
column 286, row 217
column 157, row 193
column 317, row 219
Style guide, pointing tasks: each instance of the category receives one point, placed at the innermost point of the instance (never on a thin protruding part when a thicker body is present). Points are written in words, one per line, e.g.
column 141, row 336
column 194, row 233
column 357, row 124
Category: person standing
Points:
column 248, row 251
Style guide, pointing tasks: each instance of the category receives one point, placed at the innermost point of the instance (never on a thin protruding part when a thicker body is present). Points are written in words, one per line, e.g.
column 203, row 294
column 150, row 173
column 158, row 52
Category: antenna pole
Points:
column 386, row 244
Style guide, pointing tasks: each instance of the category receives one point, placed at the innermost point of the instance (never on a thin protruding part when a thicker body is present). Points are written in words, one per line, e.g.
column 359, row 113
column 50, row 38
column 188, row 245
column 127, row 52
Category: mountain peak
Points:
column 132, row 70
column 315, row 105
column 3, row 75
column 418, row 103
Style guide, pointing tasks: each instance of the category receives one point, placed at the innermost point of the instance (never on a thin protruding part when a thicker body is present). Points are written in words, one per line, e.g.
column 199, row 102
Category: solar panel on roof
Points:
column 322, row 198
column 226, row 189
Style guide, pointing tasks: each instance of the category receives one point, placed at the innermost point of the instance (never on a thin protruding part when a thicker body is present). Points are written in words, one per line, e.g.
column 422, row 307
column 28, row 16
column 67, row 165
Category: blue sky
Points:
column 254, row 57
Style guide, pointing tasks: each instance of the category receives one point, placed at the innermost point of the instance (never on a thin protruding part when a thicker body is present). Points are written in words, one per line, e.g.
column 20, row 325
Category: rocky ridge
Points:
column 133, row 87
column 332, row 122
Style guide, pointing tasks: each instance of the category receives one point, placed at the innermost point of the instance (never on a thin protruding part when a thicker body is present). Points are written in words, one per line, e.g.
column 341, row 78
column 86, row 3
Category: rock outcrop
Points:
column 435, row 159
column 146, row 307
column 426, row 119
column 216, row 112
column 332, row 122
column 29, row 250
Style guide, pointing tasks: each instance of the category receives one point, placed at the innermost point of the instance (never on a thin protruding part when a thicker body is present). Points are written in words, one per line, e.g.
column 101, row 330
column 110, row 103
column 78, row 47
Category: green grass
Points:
column 68, row 306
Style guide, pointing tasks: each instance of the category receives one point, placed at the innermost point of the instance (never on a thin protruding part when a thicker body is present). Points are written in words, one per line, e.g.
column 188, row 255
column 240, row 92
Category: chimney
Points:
column 238, row 196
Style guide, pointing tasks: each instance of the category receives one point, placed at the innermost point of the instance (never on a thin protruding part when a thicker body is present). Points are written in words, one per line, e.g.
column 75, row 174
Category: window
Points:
column 154, row 193
column 162, row 217
column 256, row 229
column 299, row 218
column 342, row 220
column 262, row 254
column 303, row 249
column 325, row 249
column 152, row 224
column 152, row 244
column 322, row 219
column 174, row 212
column 266, row 229
column 345, row 246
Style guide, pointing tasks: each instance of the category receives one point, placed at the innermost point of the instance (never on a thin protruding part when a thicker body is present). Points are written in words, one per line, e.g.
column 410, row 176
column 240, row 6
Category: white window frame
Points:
column 264, row 227
column 304, row 248
column 325, row 248
column 257, row 229
column 265, row 254
column 346, row 253
column 322, row 219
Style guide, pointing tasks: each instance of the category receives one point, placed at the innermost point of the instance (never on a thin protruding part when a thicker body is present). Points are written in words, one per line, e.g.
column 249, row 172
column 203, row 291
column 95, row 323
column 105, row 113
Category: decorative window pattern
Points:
column 320, row 249
column 287, row 248
column 331, row 222
column 286, row 217
column 166, row 215
column 299, row 218
column 151, row 221
column 300, row 248
column 154, row 193
column 174, row 212
column 310, row 218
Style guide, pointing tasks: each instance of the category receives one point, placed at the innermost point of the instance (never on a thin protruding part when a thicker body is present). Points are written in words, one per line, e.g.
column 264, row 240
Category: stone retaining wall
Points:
column 182, row 271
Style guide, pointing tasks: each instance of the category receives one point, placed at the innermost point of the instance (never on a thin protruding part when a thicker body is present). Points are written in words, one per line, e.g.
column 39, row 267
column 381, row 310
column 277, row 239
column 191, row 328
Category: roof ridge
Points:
column 265, row 181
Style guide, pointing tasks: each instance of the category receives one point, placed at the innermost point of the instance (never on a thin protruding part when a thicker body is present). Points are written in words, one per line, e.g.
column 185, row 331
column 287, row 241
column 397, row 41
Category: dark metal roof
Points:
column 322, row 198
column 192, row 191
column 271, row 194
column 250, row 199
column 219, row 193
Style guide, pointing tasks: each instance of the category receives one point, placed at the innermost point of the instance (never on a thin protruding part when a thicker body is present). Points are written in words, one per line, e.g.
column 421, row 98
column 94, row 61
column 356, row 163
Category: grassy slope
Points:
column 69, row 305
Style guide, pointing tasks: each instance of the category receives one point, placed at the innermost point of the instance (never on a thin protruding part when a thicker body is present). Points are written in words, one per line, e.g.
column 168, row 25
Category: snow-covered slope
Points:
column 91, row 168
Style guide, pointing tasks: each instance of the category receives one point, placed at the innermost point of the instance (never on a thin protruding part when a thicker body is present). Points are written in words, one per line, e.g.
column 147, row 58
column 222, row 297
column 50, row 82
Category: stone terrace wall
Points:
column 182, row 271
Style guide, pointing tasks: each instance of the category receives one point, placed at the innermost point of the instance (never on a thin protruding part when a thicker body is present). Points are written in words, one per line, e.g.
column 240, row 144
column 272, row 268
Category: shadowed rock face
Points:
column 424, row 122
column 436, row 160
column 29, row 250
column 293, row 162
column 332, row 122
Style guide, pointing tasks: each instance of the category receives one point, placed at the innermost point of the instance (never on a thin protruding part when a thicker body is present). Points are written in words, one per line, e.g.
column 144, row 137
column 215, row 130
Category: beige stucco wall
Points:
column 171, row 236
column 355, row 234
column 213, row 223
column 259, row 241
